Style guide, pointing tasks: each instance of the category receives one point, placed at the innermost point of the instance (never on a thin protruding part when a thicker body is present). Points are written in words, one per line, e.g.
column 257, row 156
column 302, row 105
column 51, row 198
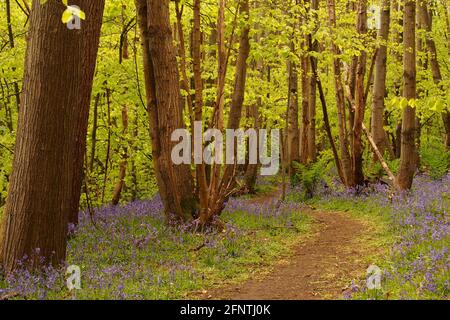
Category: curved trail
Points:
column 321, row 267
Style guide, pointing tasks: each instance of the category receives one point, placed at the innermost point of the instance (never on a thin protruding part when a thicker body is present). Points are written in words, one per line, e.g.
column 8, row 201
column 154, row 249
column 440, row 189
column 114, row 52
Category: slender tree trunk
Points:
column 251, row 173
column 164, row 106
column 312, row 150
column 293, row 133
column 222, row 68
column 220, row 192
column 340, row 101
column 237, row 99
column 198, row 84
column 108, row 141
column 358, row 148
column 94, row 133
column 397, row 13
column 379, row 89
column 306, row 86
column 134, row 177
column 408, row 155
column 45, row 185
column 12, row 45
column 326, row 120
column 124, row 162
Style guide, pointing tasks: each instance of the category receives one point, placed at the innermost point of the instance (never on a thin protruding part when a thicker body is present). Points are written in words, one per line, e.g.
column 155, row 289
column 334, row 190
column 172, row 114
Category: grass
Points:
column 134, row 255
column 410, row 234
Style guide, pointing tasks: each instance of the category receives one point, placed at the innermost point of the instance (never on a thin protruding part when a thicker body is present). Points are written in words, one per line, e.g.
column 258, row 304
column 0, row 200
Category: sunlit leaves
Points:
column 71, row 12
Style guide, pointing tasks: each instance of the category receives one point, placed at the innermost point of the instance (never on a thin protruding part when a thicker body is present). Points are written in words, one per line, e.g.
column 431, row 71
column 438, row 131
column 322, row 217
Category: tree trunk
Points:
column 251, row 173
column 124, row 163
column 293, row 138
column 218, row 120
column 94, row 133
column 340, row 101
column 45, row 185
column 240, row 78
column 312, row 150
column 306, row 86
column 408, row 154
column 12, row 45
column 360, row 101
column 379, row 88
column 202, row 184
column 220, row 192
column 164, row 106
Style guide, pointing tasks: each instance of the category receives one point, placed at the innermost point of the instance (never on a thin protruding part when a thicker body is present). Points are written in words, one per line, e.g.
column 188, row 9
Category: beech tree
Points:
column 379, row 88
column 162, row 82
column 45, row 184
column 408, row 158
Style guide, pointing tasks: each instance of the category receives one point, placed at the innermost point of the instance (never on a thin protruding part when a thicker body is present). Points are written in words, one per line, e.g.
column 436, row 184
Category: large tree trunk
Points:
column 379, row 89
column 165, row 108
column 408, row 157
column 47, row 172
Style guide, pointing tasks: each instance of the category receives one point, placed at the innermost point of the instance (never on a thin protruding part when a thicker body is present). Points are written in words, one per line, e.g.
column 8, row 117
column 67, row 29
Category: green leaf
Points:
column 67, row 16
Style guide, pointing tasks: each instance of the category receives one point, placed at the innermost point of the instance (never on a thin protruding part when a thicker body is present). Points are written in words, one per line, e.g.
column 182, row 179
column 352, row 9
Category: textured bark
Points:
column 379, row 89
column 165, row 108
column 408, row 155
column 46, row 180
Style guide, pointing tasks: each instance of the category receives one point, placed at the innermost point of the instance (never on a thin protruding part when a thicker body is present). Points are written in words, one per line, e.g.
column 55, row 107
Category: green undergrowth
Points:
column 139, row 257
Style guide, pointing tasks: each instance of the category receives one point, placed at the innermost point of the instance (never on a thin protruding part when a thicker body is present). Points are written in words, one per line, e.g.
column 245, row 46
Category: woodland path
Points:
column 321, row 267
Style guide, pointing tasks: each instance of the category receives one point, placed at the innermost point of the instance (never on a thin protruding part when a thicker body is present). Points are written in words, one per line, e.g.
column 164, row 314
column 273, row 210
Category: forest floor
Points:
column 318, row 248
column 320, row 267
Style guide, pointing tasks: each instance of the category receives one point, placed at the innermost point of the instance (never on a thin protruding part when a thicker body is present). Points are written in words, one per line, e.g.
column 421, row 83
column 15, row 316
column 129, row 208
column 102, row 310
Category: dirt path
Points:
column 321, row 267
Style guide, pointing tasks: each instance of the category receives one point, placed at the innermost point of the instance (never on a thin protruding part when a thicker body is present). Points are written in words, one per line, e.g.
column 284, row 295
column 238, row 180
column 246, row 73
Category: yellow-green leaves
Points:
column 402, row 103
column 71, row 12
